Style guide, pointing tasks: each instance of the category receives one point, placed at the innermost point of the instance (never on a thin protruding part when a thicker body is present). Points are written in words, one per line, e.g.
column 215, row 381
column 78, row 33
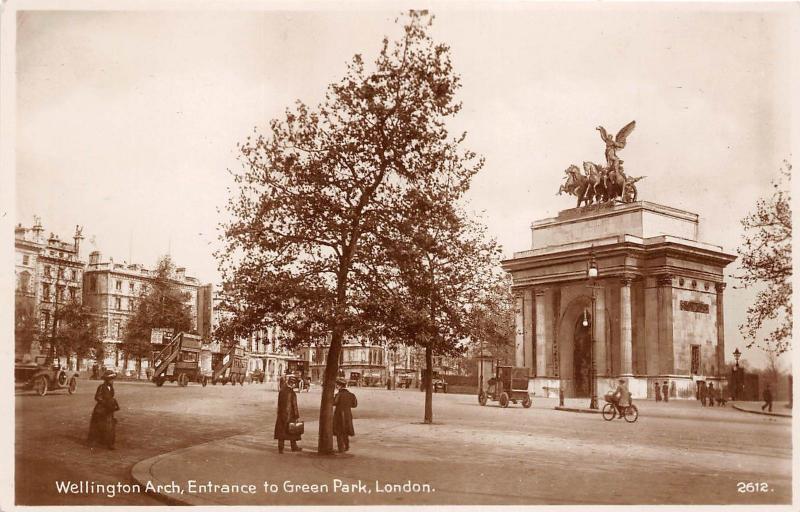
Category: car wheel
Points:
column 504, row 399
column 61, row 379
column 527, row 402
column 204, row 381
column 183, row 380
column 159, row 381
column 482, row 398
column 72, row 386
column 40, row 385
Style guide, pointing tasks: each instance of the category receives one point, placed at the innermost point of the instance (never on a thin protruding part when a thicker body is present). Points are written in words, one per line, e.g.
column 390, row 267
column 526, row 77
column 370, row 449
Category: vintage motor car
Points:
column 509, row 384
column 42, row 376
column 438, row 382
column 257, row 375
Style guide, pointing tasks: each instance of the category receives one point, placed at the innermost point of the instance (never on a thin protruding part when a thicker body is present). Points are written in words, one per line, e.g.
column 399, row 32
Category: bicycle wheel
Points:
column 609, row 412
column 631, row 413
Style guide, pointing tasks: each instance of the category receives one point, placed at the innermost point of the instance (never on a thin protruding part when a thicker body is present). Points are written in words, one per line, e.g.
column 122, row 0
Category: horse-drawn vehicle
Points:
column 509, row 384
column 179, row 361
column 42, row 376
column 232, row 368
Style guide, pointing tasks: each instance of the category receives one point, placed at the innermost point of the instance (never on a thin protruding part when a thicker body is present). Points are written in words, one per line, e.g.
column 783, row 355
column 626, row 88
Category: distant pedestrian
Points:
column 343, row 402
column 665, row 391
column 658, row 391
column 767, row 399
column 287, row 413
column 701, row 392
column 103, row 425
column 712, row 394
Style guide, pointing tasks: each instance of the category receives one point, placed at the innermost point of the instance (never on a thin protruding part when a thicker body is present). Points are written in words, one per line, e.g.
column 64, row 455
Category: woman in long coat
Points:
column 287, row 413
column 103, row 425
column 343, row 402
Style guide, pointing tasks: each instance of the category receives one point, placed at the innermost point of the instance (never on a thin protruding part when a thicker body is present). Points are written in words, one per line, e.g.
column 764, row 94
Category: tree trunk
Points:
column 428, row 382
column 325, row 440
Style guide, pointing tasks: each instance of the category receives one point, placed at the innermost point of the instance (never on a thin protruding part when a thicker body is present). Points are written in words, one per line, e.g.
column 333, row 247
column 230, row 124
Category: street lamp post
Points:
column 592, row 273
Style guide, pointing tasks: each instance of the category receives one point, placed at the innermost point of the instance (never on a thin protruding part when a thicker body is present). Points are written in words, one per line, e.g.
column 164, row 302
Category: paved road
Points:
column 676, row 452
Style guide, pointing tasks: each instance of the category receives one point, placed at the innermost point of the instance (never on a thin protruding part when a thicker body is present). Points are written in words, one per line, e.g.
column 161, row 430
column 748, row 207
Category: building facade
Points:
column 264, row 349
column 654, row 312
column 111, row 289
column 49, row 273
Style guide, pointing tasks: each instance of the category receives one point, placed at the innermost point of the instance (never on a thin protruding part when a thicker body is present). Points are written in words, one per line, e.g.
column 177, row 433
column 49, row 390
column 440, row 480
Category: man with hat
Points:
column 622, row 397
column 288, row 412
column 103, row 425
column 343, row 402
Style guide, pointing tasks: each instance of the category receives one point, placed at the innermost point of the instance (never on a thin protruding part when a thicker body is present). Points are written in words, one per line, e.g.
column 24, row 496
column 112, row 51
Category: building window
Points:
column 73, row 275
column 61, row 273
column 60, row 293
column 695, row 359
column 92, row 284
column 47, row 271
column 130, row 287
column 117, row 303
column 25, row 259
column 130, row 304
column 119, row 285
column 45, row 319
column 46, row 292
column 72, row 294
column 116, row 331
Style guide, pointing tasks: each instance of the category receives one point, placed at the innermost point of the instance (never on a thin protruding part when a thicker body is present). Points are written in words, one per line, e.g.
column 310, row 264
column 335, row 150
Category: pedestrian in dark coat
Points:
column 701, row 393
column 103, row 425
column 767, row 399
column 287, row 413
column 665, row 391
column 343, row 402
column 658, row 392
column 712, row 394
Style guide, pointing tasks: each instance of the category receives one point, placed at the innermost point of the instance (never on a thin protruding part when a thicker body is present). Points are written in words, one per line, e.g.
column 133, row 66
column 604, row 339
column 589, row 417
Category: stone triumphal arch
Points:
column 655, row 310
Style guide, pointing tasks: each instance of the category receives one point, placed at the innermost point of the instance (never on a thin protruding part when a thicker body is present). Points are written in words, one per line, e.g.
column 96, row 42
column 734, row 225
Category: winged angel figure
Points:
column 615, row 143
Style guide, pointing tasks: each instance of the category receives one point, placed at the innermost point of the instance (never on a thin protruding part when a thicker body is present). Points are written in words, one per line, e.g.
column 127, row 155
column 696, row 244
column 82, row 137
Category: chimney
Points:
column 94, row 258
column 77, row 237
column 38, row 230
column 180, row 273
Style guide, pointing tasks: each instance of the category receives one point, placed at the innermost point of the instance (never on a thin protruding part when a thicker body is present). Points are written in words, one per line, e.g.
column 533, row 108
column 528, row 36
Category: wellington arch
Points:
column 654, row 312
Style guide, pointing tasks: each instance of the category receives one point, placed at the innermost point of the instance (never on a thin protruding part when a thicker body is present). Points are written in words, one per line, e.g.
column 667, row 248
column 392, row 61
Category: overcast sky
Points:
column 127, row 121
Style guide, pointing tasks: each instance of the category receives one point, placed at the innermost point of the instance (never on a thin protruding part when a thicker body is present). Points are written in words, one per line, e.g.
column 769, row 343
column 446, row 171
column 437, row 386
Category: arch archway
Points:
column 567, row 329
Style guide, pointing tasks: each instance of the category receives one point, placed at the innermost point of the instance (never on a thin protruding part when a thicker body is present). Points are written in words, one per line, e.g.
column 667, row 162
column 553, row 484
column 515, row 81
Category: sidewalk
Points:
column 778, row 408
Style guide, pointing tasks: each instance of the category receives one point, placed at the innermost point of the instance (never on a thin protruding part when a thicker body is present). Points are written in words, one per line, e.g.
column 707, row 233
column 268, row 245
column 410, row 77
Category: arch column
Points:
column 541, row 357
column 720, row 288
column 626, row 329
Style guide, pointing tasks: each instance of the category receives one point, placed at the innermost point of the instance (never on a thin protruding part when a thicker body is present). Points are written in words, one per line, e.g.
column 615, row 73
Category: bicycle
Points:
column 610, row 411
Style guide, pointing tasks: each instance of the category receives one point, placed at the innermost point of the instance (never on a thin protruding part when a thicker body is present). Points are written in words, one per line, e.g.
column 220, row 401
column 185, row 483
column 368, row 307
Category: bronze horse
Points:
column 577, row 184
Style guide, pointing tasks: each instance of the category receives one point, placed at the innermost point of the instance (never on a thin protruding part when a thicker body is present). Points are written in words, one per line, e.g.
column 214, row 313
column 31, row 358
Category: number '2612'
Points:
column 752, row 487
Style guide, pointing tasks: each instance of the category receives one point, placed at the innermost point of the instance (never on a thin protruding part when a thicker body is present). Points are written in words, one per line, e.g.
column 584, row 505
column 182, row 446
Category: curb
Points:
column 141, row 474
column 574, row 409
column 779, row 414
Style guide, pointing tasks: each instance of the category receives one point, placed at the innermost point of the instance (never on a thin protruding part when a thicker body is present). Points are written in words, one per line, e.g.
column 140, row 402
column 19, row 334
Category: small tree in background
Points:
column 492, row 319
column 161, row 305
column 78, row 332
column 26, row 324
column 766, row 261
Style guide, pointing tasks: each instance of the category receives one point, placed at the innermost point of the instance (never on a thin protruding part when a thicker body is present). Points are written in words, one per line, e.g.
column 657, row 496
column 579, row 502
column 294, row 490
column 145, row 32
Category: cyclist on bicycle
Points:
column 621, row 397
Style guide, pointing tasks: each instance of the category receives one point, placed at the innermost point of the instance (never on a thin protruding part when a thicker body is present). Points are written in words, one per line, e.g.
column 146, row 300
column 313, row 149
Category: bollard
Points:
column 560, row 397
